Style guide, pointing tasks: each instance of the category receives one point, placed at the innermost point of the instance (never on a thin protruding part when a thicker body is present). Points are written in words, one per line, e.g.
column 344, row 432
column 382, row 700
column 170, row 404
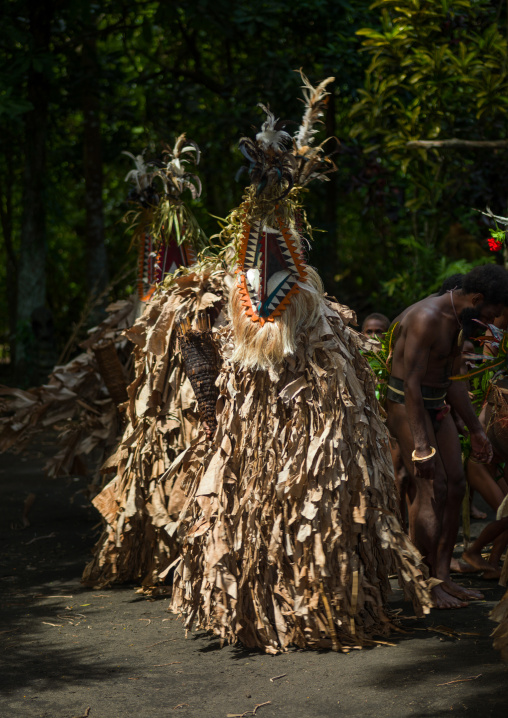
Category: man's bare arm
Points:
column 459, row 400
column 417, row 351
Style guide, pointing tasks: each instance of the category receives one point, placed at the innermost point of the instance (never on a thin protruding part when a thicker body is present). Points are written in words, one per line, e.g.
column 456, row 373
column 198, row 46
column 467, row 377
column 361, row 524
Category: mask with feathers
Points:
column 276, row 295
column 166, row 231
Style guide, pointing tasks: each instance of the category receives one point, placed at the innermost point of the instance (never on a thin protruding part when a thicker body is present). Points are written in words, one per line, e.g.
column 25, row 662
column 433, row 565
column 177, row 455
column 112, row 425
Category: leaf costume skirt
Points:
column 290, row 529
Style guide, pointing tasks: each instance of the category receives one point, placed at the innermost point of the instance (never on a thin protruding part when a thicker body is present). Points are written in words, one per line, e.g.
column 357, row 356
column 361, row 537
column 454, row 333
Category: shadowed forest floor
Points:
column 69, row 652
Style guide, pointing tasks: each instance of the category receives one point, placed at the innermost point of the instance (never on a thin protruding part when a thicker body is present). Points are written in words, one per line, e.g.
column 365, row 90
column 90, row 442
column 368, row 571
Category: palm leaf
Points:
column 487, row 366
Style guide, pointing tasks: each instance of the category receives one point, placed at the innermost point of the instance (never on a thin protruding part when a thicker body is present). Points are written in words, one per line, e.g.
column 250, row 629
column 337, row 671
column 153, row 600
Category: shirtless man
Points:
column 426, row 353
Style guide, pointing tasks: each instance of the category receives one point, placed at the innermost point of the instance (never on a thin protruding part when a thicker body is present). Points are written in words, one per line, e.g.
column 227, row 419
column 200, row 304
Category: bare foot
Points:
column 460, row 567
column 465, row 594
column 492, row 574
column 442, row 599
column 475, row 559
column 475, row 513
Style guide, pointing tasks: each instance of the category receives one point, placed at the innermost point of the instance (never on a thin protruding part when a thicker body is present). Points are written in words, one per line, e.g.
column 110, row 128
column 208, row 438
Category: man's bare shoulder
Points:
column 424, row 314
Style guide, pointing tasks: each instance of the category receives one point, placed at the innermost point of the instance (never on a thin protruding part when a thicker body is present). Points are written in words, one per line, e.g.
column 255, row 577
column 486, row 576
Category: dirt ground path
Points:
column 69, row 652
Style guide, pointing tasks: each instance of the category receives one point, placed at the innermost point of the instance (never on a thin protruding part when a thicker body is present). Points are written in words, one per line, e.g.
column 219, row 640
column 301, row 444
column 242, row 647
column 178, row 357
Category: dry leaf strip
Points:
column 111, row 370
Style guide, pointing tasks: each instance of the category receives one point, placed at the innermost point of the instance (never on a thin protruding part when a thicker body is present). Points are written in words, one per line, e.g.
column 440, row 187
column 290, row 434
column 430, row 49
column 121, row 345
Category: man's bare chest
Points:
column 446, row 346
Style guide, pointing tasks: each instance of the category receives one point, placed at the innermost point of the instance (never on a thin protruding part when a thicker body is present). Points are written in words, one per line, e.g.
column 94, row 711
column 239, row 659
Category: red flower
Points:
column 494, row 244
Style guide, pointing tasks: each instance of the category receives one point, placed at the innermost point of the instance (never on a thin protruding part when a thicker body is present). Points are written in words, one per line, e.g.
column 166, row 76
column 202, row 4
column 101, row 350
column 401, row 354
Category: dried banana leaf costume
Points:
column 162, row 416
column 79, row 400
column 290, row 528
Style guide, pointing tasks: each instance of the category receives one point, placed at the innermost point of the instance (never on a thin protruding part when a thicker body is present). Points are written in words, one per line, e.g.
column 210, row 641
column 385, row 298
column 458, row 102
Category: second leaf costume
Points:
column 138, row 503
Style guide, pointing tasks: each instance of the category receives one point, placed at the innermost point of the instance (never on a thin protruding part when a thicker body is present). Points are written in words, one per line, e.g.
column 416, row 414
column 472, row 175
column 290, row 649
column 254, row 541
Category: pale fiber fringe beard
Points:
column 265, row 347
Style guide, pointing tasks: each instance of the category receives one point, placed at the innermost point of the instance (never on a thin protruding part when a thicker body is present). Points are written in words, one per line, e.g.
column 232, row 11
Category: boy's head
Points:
column 375, row 324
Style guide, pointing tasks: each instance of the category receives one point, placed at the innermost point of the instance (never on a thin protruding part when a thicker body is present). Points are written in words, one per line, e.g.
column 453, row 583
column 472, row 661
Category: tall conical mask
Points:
column 277, row 294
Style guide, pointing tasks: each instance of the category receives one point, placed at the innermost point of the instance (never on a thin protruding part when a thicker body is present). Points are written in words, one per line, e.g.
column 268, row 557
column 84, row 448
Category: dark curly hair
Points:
column 491, row 280
column 453, row 282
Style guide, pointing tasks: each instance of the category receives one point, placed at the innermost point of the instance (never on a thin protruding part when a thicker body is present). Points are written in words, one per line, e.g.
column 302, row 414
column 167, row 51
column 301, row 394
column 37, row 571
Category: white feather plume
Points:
column 314, row 109
column 269, row 137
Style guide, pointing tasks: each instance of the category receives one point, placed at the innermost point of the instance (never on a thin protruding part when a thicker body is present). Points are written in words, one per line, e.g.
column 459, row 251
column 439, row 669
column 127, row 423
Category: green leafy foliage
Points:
column 437, row 70
column 424, row 271
column 480, row 387
column 380, row 361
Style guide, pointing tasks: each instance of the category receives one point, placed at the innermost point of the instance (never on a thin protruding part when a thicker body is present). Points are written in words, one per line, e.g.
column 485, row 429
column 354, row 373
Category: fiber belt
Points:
column 433, row 397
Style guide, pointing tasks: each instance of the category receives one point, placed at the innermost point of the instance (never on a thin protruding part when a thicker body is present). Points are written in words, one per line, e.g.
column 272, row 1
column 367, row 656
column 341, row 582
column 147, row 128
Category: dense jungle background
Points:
column 80, row 82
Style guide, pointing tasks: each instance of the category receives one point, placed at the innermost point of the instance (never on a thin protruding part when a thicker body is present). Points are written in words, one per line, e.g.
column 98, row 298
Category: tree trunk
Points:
column 6, row 219
column 97, row 261
column 31, row 289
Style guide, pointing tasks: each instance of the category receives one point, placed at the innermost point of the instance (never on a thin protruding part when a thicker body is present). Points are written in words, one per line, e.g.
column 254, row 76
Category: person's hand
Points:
column 481, row 448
